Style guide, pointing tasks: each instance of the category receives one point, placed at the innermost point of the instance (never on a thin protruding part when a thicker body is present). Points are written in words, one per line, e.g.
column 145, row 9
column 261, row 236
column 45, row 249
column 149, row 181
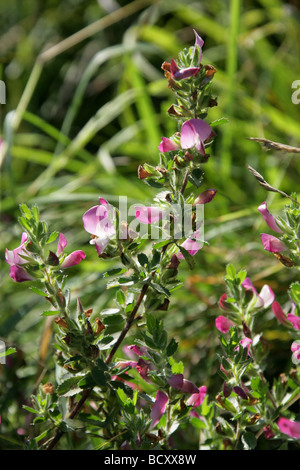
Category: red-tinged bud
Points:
column 240, row 392
column 205, row 197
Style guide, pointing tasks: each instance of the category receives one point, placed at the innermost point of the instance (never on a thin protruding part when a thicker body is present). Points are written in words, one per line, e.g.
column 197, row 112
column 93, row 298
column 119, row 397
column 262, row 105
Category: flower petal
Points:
column 291, row 428
column 272, row 244
column 278, row 312
column 158, row 408
column 148, row 215
column 269, row 218
column 167, row 145
column 267, row 295
column 62, row 243
column 19, row 274
column 223, row 324
column 72, row 259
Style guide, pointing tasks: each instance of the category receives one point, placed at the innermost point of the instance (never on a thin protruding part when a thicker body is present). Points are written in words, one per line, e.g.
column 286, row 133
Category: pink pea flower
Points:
column 291, row 428
column 223, row 324
column 177, row 382
column 191, row 246
column 97, row 221
column 14, row 257
column 272, row 244
column 138, row 350
column 223, row 303
column 269, row 218
column 158, row 408
column 15, row 260
column 167, row 145
column 73, row 258
column 286, row 319
column 198, row 42
column 295, row 348
column 245, row 343
column 179, row 74
column 148, row 215
column 197, row 398
column 194, row 133
column 262, row 300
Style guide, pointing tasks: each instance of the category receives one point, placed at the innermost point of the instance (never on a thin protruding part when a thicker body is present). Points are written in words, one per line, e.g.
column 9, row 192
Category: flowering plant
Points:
column 139, row 401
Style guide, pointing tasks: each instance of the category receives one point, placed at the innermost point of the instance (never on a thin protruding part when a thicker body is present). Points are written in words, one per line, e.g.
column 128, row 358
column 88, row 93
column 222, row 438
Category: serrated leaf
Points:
column 249, row 440
column 67, row 385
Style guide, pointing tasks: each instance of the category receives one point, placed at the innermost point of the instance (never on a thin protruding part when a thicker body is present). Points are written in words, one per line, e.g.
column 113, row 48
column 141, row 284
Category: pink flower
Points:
column 191, row 246
column 73, row 258
column 158, row 408
column 177, row 382
column 194, row 133
column 269, row 218
column 138, row 350
column 222, row 302
column 98, row 222
column 245, row 343
column 143, row 367
column 272, row 244
column 286, row 319
column 14, row 257
column 197, row 398
column 148, row 215
column 295, row 348
column 179, row 74
column 19, row 274
column 15, row 260
column 262, row 300
column 199, row 42
column 167, row 145
column 291, row 428
column 223, row 324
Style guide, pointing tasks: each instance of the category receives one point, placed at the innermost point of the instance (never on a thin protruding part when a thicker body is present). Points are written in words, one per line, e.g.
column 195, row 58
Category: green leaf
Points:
column 172, row 347
column 67, row 385
column 39, row 291
column 98, row 376
column 249, row 440
column 52, row 237
column 7, row 352
column 189, row 259
column 31, row 410
column 49, row 313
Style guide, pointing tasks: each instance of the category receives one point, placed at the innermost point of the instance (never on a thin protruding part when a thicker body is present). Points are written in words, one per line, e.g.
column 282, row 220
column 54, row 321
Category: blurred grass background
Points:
column 86, row 105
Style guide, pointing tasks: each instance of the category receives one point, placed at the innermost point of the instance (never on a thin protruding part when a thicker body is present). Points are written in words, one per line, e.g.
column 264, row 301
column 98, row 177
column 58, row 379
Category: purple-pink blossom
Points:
column 196, row 399
column 148, row 215
column 205, row 196
column 167, row 145
column 194, row 133
column 179, row 74
column 177, row 382
column 73, row 258
column 264, row 299
column 158, row 408
column 295, row 348
column 269, row 218
column 272, row 244
column 15, row 259
column 291, row 428
column 98, row 221
column 223, row 324
column 285, row 319
column 245, row 343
